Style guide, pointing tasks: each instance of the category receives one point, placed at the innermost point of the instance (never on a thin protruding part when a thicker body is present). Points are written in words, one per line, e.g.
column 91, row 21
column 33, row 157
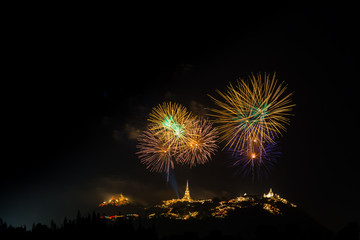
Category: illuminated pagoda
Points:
column 186, row 197
column 187, row 193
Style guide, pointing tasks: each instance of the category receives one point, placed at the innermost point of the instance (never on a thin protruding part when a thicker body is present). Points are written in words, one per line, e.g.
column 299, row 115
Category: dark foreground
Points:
column 258, row 227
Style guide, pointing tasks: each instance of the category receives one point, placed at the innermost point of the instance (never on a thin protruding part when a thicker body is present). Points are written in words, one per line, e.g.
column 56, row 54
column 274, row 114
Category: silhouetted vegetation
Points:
column 238, row 226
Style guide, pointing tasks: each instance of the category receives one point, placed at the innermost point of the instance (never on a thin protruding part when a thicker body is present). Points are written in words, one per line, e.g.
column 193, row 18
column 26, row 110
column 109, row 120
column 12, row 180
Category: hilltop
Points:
column 267, row 214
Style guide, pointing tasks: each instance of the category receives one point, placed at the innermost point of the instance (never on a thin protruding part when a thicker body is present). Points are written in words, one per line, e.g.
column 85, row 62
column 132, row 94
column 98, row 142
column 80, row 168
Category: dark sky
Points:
column 82, row 85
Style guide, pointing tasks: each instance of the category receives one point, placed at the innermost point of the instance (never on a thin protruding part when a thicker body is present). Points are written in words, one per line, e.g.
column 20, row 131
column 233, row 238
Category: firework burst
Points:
column 254, row 109
column 251, row 115
column 154, row 151
column 171, row 121
column 166, row 134
column 174, row 135
column 200, row 144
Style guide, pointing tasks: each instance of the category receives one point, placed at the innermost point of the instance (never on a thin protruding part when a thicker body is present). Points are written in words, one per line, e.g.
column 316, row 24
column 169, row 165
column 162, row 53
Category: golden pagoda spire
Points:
column 187, row 192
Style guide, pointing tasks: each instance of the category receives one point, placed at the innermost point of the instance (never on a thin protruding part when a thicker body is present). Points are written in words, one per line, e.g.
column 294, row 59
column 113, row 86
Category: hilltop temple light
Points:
column 269, row 195
column 276, row 197
column 121, row 200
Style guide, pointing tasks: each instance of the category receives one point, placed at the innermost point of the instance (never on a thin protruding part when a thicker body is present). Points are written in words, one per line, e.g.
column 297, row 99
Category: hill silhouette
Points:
column 243, row 223
column 245, row 217
column 254, row 219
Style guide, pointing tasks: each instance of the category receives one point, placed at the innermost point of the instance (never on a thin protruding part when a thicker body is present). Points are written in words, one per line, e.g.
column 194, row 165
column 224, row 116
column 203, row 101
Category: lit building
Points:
column 121, row 200
column 187, row 193
column 276, row 197
column 270, row 194
column 186, row 198
column 245, row 198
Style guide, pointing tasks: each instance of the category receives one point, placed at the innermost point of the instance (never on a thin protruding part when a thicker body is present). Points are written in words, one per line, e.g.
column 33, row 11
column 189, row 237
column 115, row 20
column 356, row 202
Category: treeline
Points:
column 91, row 225
column 94, row 226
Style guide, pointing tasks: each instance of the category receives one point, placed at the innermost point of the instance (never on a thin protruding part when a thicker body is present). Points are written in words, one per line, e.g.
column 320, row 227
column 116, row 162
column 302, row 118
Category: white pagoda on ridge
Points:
column 269, row 195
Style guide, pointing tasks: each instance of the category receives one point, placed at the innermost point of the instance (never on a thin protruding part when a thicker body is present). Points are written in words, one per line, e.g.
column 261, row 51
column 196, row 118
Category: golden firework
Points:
column 200, row 144
column 171, row 121
column 253, row 109
column 174, row 135
column 154, row 152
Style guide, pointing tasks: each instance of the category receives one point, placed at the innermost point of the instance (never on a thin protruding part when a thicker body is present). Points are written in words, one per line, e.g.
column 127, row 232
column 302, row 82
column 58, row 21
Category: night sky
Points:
column 82, row 85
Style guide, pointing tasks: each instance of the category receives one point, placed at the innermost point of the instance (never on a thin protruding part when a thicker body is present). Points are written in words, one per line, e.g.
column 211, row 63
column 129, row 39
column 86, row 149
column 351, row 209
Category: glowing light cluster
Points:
column 184, row 209
column 116, row 201
column 114, row 217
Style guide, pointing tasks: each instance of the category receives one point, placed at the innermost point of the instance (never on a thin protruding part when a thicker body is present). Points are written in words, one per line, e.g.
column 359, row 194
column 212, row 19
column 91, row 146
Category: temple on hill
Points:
column 276, row 197
column 270, row 194
column 116, row 201
column 186, row 198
